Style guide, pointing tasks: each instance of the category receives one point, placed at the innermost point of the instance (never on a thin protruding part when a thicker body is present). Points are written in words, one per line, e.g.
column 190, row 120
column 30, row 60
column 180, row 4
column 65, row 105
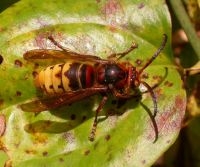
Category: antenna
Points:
column 164, row 41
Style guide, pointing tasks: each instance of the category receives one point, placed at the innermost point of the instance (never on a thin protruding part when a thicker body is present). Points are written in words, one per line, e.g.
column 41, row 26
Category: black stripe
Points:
column 72, row 76
column 61, row 85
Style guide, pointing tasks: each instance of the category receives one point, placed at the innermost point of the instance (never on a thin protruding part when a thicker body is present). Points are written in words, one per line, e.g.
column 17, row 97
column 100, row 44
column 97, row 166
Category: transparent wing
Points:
column 43, row 54
column 49, row 103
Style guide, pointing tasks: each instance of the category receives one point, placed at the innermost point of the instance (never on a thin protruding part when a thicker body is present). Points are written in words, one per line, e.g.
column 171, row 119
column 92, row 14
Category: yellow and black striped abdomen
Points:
column 70, row 76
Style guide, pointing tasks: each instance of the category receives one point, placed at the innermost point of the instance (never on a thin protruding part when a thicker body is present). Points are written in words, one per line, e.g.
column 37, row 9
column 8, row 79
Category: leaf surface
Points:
column 124, row 135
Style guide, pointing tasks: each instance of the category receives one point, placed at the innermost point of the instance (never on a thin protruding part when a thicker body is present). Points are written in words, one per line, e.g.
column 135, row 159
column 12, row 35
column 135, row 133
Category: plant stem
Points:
column 184, row 20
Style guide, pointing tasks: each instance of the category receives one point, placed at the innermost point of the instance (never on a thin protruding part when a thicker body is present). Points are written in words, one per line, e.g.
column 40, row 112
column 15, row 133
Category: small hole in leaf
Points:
column 84, row 118
column 168, row 141
column 18, row 63
column 157, row 78
column 45, row 153
column 73, row 117
column 1, row 59
column 114, row 102
column 86, row 152
column 138, row 62
column 34, row 74
column 145, row 76
column 18, row 93
column 36, row 65
column 168, row 84
column 1, row 102
column 61, row 159
column 144, row 161
column 107, row 137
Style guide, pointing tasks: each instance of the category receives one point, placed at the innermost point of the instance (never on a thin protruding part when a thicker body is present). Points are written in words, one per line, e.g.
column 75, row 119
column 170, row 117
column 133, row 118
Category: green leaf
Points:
column 60, row 136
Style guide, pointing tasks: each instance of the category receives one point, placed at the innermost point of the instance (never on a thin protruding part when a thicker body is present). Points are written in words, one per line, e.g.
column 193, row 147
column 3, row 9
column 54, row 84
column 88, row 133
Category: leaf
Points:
column 60, row 137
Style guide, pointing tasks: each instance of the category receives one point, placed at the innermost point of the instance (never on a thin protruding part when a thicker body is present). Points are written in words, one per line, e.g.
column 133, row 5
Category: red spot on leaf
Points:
column 69, row 137
column 157, row 78
column 168, row 83
column 113, row 12
column 31, row 151
column 1, row 102
column 180, row 104
column 111, row 7
column 40, row 41
column 112, row 29
column 43, row 42
column 143, row 161
column 170, row 120
column 2, row 124
column 141, row 5
column 158, row 92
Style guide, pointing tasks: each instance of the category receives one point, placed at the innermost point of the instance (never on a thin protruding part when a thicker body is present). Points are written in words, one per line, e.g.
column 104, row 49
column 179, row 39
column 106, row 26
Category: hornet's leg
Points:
column 57, row 44
column 117, row 56
column 78, row 56
column 94, row 127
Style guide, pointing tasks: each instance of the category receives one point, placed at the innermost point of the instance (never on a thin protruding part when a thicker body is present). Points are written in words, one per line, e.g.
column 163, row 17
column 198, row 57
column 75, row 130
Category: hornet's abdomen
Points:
column 69, row 76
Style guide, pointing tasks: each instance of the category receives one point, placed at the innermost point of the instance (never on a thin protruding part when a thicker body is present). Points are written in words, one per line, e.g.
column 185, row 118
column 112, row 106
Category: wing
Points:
column 42, row 54
column 40, row 105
